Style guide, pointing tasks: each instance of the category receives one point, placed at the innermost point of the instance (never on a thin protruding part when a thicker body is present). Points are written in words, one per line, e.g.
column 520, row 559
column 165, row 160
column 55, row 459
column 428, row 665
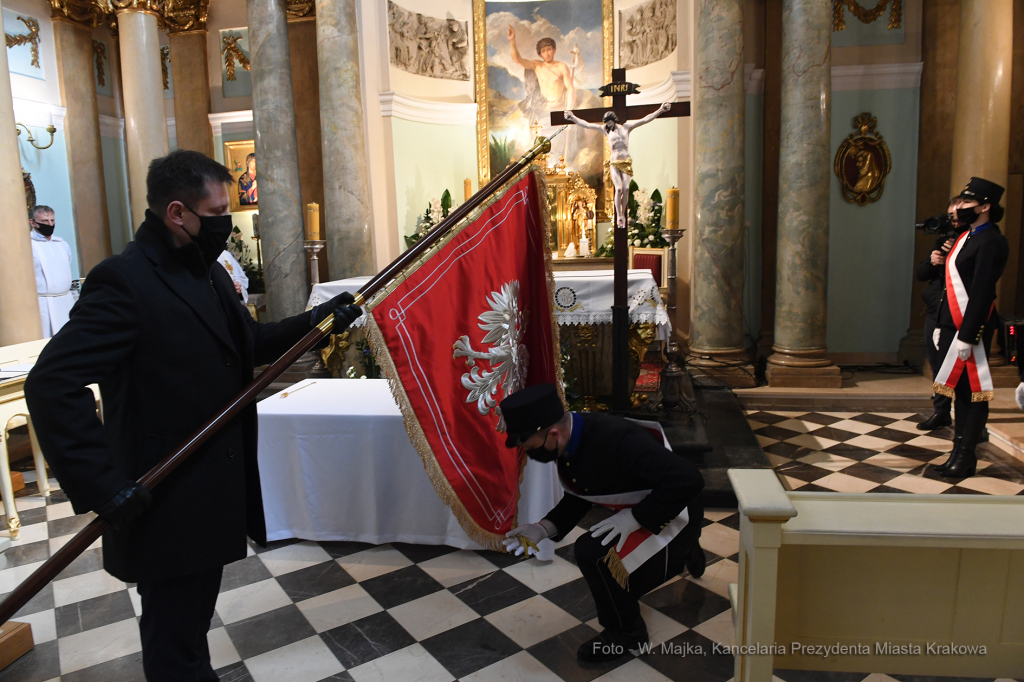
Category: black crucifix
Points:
column 621, row 175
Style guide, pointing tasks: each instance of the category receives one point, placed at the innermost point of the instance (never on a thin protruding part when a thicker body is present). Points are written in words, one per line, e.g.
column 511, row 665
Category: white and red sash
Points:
column 641, row 544
column 976, row 365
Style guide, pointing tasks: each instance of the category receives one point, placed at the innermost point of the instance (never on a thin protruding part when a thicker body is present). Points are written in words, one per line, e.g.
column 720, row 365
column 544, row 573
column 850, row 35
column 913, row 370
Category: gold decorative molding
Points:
column 483, row 133
column 300, row 9
column 30, row 38
column 165, row 59
column 232, row 53
column 99, row 51
column 865, row 15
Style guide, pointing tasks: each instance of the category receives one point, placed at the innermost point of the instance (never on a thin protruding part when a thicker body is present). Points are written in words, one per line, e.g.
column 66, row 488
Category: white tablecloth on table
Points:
column 581, row 297
column 336, row 464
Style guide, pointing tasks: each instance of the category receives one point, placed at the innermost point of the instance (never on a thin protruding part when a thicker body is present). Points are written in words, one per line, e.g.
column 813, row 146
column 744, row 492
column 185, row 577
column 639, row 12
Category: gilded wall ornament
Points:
column 30, row 189
column 185, row 15
column 85, row 12
column 232, row 53
column 99, row 51
column 863, row 162
column 300, row 9
column 165, row 59
column 30, row 38
column 865, row 15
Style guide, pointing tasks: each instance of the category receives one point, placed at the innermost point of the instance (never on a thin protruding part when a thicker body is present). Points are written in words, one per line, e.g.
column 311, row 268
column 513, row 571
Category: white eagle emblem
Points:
column 507, row 357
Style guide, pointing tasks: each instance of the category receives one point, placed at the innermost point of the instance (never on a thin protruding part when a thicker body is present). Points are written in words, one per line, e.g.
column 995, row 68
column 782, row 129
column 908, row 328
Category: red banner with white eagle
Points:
column 468, row 324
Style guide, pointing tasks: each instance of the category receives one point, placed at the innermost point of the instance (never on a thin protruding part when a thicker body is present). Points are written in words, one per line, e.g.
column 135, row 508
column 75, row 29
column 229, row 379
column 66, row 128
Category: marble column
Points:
column 145, row 123
column 349, row 222
column 19, row 307
column 82, row 136
column 281, row 229
column 716, row 341
column 804, row 175
column 191, row 73
column 981, row 128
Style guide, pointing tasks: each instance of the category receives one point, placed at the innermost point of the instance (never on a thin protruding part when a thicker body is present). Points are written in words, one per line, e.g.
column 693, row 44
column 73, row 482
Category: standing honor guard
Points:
column 161, row 330
column 618, row 464
column 968, row 319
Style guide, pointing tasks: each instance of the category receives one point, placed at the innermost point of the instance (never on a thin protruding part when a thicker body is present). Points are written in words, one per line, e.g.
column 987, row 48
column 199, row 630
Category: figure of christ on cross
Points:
column 618, row 140
column 621, row 171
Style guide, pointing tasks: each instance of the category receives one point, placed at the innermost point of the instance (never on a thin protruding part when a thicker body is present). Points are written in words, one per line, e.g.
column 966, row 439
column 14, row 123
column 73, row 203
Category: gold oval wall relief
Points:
column 863, row 162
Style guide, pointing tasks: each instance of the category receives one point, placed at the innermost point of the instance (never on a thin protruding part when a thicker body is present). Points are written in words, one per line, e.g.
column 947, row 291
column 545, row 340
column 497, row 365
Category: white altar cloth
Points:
column 336, row 464
column 581, row 297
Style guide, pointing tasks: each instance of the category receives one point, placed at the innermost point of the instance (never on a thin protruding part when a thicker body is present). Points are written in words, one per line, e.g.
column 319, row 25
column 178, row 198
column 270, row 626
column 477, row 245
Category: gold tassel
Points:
column 616, row 568
column 942, row 389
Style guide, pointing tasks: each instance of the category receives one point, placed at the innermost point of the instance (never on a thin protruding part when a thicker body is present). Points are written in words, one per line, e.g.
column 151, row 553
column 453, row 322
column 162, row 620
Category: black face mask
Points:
column 966, row 216
column 45, row 230
column 214, row 231
column 542, row 454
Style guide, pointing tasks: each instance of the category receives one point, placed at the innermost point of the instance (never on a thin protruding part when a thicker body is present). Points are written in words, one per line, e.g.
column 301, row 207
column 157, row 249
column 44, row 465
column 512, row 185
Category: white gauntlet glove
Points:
column 525, row 538
column 619, row 525
column 963, row 350
column 935, row 338
column 1019, row 395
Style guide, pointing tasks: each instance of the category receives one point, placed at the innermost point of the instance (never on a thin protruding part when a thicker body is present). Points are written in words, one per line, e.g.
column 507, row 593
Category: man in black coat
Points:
column 979, row 258
column 161, row 330
column 933, row 271
column 619, row 464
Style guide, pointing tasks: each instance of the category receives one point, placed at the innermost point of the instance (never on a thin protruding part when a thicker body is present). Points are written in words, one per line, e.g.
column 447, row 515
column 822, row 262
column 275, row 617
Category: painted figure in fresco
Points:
column 549, row 82
column 621, row 163
column 247, row 182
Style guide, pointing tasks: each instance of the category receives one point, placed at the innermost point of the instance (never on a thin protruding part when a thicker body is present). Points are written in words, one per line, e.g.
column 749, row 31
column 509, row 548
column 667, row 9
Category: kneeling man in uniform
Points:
column 618, row 464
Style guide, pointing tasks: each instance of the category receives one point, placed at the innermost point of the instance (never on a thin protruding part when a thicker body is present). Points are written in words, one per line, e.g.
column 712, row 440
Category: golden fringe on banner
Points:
column 976, row 396
column 476, row 533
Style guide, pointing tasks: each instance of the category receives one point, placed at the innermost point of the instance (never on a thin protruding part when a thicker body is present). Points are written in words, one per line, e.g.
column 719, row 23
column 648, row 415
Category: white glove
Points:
column 1019, row 395
column 963, row 350
column 532, row 533
column 935, row 337
column 619, row 525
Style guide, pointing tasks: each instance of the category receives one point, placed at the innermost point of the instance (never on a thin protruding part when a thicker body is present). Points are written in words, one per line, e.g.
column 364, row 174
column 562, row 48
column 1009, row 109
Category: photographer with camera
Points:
column 967, row 320
column 933, row 271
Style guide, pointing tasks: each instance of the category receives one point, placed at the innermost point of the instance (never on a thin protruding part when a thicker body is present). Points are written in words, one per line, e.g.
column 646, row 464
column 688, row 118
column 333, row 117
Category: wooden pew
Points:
column 894, row 578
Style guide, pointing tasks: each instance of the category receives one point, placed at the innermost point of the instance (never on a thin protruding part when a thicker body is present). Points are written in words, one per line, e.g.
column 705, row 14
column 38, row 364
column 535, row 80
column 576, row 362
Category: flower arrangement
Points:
column 240, row 250
column 437, row 210
column 644, row 221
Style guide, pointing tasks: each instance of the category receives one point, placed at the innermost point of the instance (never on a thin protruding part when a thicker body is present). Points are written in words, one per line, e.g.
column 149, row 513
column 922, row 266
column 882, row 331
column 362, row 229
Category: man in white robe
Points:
column 238, row 276
column 52, row 258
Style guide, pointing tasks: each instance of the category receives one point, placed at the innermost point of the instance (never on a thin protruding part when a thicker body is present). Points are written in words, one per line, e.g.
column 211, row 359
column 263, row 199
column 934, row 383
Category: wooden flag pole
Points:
column 60, row 560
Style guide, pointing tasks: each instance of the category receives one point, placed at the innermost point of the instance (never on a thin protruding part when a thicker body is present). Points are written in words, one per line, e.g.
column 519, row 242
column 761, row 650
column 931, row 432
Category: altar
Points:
column 583, row 311
column 336, row 464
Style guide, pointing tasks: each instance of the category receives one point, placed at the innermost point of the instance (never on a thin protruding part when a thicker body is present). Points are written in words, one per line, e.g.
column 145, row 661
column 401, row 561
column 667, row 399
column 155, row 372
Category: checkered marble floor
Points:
column 883, row 452
column 306, row 611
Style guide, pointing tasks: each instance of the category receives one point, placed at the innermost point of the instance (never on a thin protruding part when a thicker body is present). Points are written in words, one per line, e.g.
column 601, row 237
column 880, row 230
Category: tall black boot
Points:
column 940, row 469
column 966, row 462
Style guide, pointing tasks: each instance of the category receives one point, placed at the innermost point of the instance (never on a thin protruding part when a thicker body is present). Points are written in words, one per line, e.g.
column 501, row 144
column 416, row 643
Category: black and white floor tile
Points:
column 302, row 611
column 857, row 452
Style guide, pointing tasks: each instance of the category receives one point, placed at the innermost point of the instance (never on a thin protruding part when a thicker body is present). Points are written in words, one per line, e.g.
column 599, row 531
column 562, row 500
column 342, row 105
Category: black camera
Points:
column 941, row 224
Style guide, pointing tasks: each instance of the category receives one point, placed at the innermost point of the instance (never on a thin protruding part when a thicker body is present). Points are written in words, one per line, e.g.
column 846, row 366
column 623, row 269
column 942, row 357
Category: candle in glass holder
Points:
column 468, row 189
column 672, row 209
column 313, row 222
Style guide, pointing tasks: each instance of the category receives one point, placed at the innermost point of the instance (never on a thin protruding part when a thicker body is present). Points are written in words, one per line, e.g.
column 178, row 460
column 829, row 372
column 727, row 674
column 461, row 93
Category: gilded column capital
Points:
column 181, row 16
column 91, row 13
column 300, row 9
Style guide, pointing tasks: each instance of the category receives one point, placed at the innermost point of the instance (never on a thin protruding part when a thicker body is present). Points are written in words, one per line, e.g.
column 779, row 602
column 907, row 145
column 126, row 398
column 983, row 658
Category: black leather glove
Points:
column 126, row 506
column 344, row 312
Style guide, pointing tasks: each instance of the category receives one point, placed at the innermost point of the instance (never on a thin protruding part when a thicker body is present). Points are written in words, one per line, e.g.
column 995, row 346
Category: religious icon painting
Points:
column 863, row 162
column 540, row 57
column 240, row 158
